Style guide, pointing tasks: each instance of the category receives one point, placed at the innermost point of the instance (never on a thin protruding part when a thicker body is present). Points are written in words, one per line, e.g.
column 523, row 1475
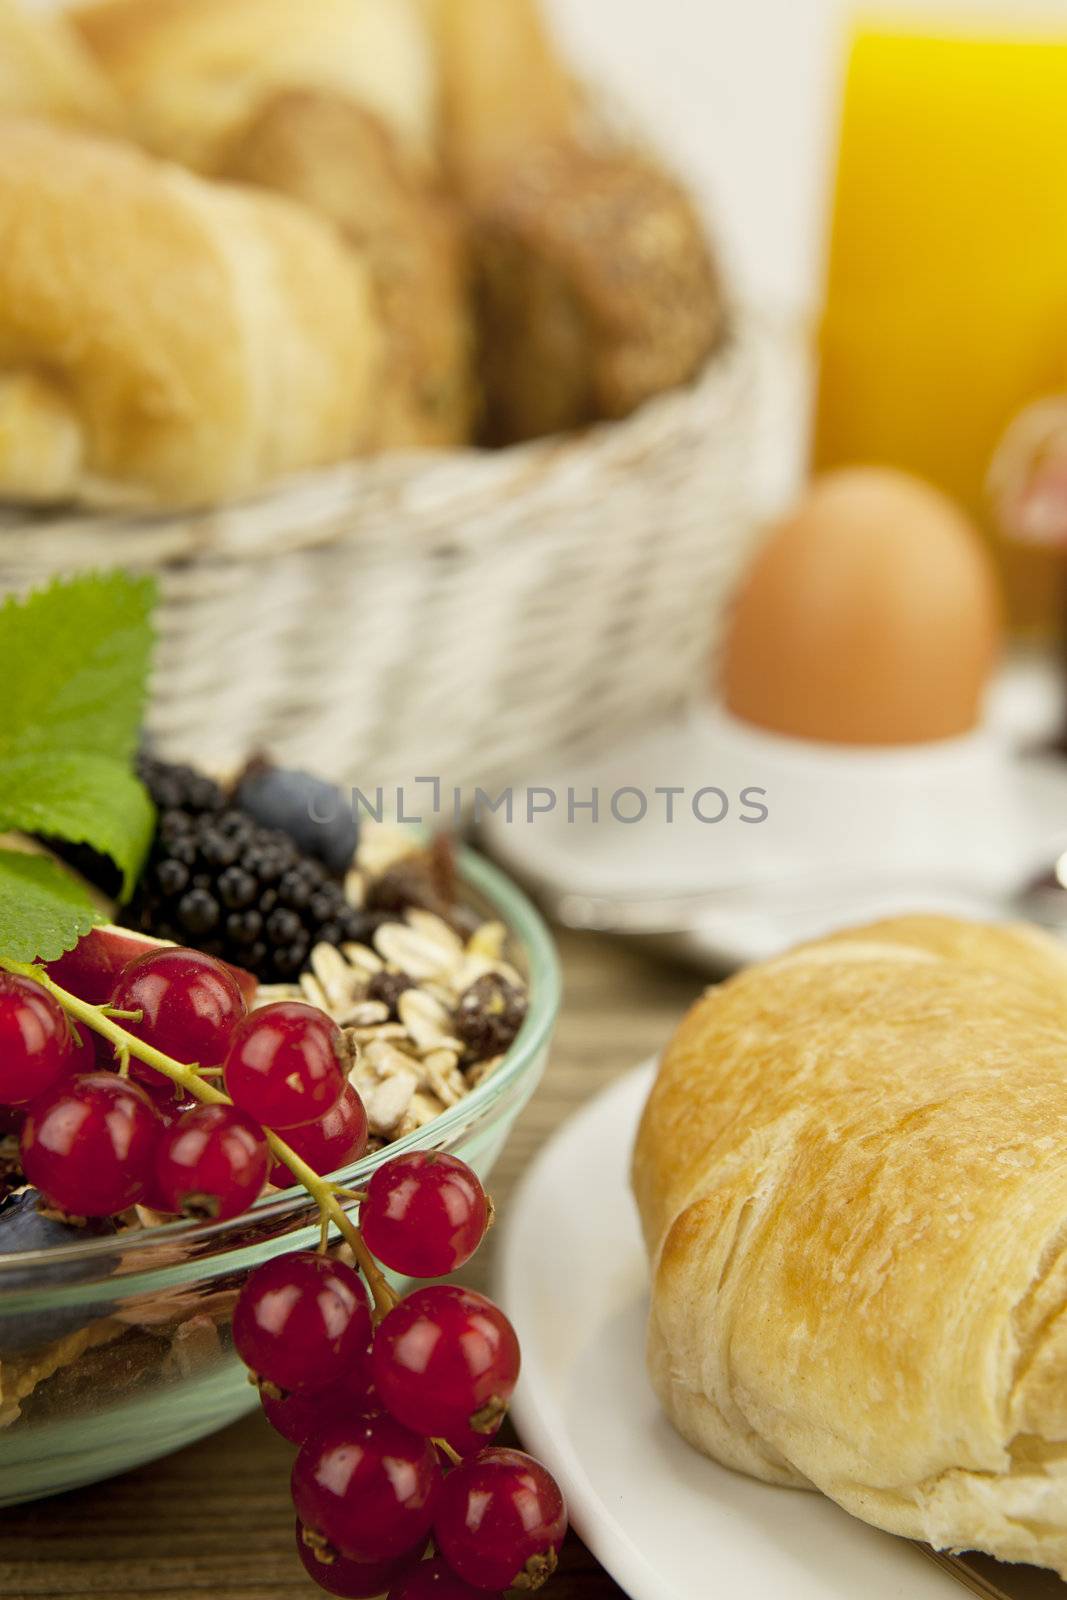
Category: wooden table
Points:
column 215, row 1520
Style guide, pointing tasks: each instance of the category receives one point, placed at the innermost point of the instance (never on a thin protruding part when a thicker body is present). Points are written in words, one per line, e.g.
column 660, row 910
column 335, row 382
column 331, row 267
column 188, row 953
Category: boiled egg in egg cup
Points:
column 853, row 684
column 837, row 763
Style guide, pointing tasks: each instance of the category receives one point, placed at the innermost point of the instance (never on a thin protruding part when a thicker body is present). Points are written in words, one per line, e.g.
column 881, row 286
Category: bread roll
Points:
column 852, row 1176
column 342, row 161
column 596, row 285
column 45, row 70
column 169, row 339
column 193, row 71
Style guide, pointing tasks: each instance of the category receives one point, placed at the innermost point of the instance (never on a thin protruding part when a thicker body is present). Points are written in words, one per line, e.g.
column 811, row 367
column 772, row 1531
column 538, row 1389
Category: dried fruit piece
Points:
column 489, row 1015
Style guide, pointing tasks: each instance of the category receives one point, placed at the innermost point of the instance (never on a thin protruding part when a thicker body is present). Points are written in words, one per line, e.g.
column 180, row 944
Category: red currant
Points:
column 190, row 1005
column 286, row 1065
column 297, row 1416
column 368, row 1486
column 301, row 1321
column 36, row 1045
column 425, row 1214
column 435, row 1580
column 501, row 1521
column 330, row 1144
column 446, row 1360
column 352, row 1580
column 89, row 1144
column 211, row 1164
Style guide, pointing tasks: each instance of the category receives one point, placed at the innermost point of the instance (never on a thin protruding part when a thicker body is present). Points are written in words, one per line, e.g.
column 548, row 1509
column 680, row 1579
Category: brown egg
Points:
column 870, row 616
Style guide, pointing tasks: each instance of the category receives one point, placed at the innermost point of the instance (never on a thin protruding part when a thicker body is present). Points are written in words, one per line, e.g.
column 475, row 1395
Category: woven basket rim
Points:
column 323, row 507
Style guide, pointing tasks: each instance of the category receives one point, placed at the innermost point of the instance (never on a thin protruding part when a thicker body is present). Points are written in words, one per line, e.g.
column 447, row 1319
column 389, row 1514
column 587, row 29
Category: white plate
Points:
column 666, row 1523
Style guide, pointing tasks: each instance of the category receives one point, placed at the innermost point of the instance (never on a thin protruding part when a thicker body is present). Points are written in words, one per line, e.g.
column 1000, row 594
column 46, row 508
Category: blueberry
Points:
column 311, row 811
column 22, row 1228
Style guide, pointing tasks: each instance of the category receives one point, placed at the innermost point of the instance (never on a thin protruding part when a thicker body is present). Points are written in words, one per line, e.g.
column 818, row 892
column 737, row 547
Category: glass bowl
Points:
column 116, row 1350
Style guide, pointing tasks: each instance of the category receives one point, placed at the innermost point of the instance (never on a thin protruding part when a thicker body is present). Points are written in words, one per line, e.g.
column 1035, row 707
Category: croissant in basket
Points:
column 46, row 70
column 193, row 72
column 342, row 161
column 852, row 1176
column 166, row 339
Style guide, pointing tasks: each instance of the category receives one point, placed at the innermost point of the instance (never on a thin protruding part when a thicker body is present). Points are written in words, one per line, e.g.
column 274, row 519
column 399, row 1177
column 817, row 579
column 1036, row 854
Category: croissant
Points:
column 329, row 153
column 45, row 70
column 192, row 72
column 166, row 339
column 852, row 1177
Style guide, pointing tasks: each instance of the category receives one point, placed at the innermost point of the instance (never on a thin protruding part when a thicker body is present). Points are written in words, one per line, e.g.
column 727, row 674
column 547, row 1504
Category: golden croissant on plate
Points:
column 168, row 340
column 852, row 1176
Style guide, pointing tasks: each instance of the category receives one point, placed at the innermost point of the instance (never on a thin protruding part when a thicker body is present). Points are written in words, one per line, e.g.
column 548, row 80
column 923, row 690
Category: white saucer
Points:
column 666, row 1523
column 960, row 830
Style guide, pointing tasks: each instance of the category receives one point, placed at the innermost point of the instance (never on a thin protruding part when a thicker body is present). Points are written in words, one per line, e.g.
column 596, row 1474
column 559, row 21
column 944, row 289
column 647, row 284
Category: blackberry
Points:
column 284, row 927
column 179, row 788
column 198, row 912
column 237, row 889
column 243, row 928
column 172, row 877
column 217, row 880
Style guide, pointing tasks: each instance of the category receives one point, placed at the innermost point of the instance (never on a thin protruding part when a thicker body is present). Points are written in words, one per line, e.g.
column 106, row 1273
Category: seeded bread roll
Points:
column 597, row 289
column 343, row 162
column 192, row 72
column 165, row 339
column 852, row 1176
column 45, row 70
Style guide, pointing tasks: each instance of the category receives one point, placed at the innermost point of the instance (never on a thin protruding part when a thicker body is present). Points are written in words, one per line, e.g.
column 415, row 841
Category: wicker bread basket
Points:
column 472, row 616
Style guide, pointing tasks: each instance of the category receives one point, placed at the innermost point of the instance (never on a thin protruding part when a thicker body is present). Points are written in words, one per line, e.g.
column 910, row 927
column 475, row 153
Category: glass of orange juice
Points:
column 946, row 289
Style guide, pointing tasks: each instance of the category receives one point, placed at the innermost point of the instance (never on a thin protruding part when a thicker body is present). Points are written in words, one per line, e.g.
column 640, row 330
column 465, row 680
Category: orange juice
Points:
column 946, row 301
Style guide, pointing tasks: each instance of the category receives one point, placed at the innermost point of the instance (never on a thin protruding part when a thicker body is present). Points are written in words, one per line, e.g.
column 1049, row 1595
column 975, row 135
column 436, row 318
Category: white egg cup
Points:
column 939, row 809
column 758, row 809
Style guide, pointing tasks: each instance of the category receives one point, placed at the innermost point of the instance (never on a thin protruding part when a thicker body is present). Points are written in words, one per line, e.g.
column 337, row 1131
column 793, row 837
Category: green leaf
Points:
column 74, row 662
column 83, row 798
column 43, row 910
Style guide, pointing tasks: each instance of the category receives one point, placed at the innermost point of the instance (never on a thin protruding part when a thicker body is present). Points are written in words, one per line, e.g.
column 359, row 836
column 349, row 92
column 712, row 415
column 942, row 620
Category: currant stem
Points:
column 189, row 1078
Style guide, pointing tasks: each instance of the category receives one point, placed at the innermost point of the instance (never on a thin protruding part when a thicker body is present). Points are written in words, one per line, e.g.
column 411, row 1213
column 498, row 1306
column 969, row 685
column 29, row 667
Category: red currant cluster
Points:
column 393, row 1402
column 96, row 1140
column 394, row 1425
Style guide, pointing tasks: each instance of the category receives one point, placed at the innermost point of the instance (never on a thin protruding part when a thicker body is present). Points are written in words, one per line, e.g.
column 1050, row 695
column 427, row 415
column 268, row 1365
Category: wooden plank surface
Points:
column 215, row 1520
